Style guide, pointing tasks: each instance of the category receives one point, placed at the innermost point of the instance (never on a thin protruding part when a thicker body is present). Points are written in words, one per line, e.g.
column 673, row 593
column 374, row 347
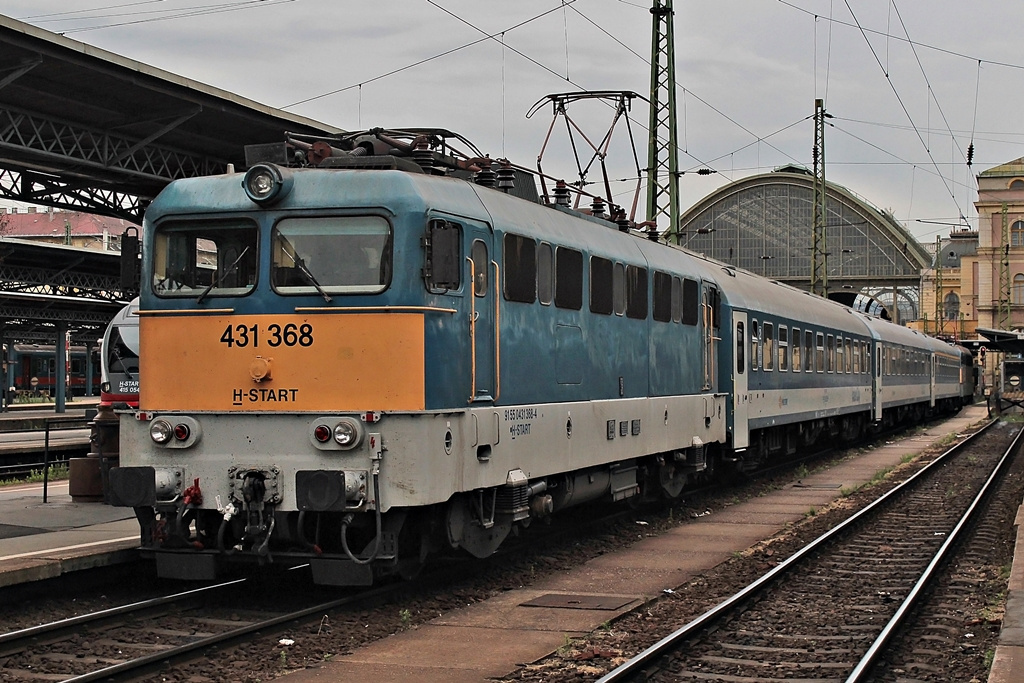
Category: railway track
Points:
column 829, row 612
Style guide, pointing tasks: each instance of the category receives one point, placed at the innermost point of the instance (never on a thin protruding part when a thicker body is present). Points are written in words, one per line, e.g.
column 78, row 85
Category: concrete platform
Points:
column 1008, row 663
column 491, row 639
column 43, row 540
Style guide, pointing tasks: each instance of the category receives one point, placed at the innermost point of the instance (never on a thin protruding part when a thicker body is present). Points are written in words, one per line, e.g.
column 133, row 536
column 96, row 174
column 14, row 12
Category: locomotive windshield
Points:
column 333, row 255
column 203, row 258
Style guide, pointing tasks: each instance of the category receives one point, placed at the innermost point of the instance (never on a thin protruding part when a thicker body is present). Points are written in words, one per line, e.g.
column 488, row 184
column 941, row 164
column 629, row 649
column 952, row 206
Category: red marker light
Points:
column 182, row 432
column 322, row 433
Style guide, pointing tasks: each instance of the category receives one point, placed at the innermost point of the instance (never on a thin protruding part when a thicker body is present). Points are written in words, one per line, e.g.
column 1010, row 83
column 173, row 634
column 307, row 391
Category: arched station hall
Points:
column 764, row 224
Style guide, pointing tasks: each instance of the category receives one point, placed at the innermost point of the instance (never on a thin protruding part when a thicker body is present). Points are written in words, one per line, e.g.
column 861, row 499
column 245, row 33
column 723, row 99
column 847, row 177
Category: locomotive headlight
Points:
column 267, row 184
column 348, row 433
column 161, row 431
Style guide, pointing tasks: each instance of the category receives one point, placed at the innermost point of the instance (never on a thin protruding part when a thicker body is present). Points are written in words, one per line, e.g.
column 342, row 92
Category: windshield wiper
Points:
column 120, row 359
column 216, row 283
column 309, row 276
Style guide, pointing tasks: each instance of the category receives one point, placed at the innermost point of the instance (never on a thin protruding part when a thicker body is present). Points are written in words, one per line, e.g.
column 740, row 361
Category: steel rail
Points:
column 869, row 659
column 163, row 656
column 634, row 666
column 33, row 631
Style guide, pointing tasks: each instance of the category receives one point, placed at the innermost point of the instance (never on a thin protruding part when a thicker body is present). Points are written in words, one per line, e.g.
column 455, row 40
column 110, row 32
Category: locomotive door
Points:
column 710, row 322
column 482, row 315
column 740, row 432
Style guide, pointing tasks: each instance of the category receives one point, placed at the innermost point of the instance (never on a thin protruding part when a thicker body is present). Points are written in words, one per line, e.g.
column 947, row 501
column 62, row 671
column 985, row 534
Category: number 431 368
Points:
column 274, row 335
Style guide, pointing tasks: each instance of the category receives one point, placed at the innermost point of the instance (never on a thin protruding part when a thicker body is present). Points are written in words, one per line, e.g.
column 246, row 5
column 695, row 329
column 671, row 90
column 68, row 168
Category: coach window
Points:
column 740, row 344
column 809, row 347
column 830, row 354
column 796, row 349
column 769, row 346
column 662, row 297
column 568, row 278
column 783, row 348
column 601, row 287
column 819, row 352
column 619, row 289
column 636, row 292
column 755, row 335
column 840, row 364
column 856, row 356
column 545, row 273
column 849, row 356
column 691, row 302
column 520, row 272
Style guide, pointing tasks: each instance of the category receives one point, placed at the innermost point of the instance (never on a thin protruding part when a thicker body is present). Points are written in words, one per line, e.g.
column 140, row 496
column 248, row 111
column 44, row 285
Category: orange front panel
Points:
column 345, row 362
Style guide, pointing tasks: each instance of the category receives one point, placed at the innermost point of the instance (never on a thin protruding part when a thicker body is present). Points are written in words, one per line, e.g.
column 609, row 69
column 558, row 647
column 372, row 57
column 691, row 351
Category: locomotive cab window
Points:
column 443, row 268
column 691, row 302
column 545, row 273
column 664, row 293
column 601, row 285
column 619, row 289
column 205, row 258
column 331, row 254
column 520, row 272
column 568, row 278
column 478, row 253
column 636, row 292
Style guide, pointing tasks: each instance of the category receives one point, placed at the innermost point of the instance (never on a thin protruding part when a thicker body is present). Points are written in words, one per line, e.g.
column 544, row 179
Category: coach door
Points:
column 876, row 381
column 483, row 334
column 740, row 432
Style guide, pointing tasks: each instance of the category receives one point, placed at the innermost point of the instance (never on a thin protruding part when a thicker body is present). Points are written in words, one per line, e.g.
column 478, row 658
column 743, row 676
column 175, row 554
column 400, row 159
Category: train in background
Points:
column 119, row 360
column 392, row 348
column 39, row 362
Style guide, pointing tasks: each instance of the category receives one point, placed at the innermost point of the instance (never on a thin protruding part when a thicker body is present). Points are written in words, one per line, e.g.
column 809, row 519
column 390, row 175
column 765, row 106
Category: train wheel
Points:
column 672, row 480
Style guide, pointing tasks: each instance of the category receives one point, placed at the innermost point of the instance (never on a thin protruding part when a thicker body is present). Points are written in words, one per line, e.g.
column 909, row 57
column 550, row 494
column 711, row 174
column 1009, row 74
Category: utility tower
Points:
column 662, row 156
column 1003, row 317
column 819, row 254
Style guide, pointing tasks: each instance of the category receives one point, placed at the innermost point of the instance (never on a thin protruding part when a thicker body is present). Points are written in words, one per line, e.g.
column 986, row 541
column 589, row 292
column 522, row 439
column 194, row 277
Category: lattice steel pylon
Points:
column 819, row 253
column 940, row 309
column 1003, row 317
column 662, row 150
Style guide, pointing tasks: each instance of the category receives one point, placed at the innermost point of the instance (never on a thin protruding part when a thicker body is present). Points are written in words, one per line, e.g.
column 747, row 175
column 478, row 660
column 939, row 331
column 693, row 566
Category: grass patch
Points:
column 57, row 472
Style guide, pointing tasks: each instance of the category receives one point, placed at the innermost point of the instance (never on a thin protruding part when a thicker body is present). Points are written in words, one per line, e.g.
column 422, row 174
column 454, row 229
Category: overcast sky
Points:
column 909, row 84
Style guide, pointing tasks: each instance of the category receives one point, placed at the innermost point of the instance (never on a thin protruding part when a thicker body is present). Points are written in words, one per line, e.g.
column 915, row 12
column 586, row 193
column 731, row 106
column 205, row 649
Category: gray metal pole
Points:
column 61, row 375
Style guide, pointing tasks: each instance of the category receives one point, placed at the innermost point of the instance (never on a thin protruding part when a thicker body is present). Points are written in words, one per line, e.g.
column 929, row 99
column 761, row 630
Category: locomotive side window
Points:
column 545, row 273
column 691, row 302
column 636, row 292
column 568, row 278
column 783, row 348
column 478, row 253
column 769, row 346
column 443, row 267
column 740, row 344
column 601, row 287
column 203, row 258
column 663, row 291
column 520, row 272
column 677, row 300
column 331, row 254
column 619, row 289
column 755, row 340
column 796, row 350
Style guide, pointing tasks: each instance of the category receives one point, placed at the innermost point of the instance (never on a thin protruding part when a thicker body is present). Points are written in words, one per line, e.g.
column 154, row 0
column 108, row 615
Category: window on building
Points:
column 952, row 306
column 1018, row 288
column 1017, row 234
column 1017, row 184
